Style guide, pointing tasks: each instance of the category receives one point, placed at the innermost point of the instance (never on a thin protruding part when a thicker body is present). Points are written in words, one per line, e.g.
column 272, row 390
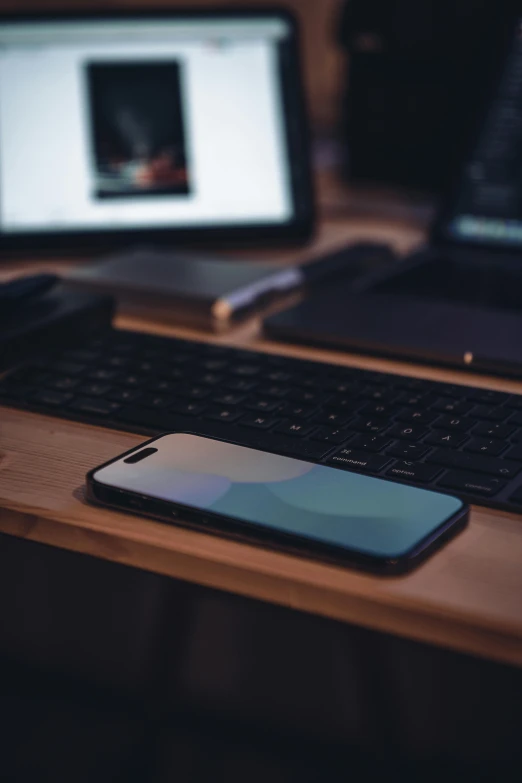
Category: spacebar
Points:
column 162, row 421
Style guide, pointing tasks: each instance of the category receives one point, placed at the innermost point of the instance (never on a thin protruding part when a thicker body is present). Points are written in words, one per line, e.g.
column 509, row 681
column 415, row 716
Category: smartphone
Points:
column 279, row 502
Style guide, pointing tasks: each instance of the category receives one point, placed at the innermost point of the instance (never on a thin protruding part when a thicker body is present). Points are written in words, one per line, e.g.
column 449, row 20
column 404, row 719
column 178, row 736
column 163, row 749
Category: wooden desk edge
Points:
column 410, row 622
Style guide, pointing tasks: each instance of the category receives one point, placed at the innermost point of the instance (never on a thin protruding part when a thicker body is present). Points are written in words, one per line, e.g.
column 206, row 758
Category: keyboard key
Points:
column 475, row 463
column 258, row 422
column 490, row 413
column 274, row 391
column 241, row 385
column 163, row 387
column 379, row 409
column 487, row 429
column 485, row 446
column 372, row 424
column 331, row 417
column 449, row 405
column 297, row 429
column 379, row 394
column 223, row 414
column 515, row 402
column 94, row 389
column 340, row 387
column 331, row 435
column 413, row 471
column 209, row 379
column 417, row 416
column 175, row 374
column 292, row 411
column 51, row 398
column 358, row 460
column 279, row 376
column 194, row 392
column 214, row 365
column 370, row 442
column 460, row 423
column 245, row 370
column 63, row 383
column 420, row 400
column 146, row 368
column 261, row 405
column 307, row 397
column 347, row 404
column 133, row 381
column 454, row 390
column 515, row 453
column 486, row 396
column 178, row 359
column 116, row 361
column 470, row 482
column 409, row 451
column 229, row 399
column 408, row 432
column 188, row 408
column 445, row 438
column 94, row 406
column 156, row 400
column 124, row 395
column 103, row 374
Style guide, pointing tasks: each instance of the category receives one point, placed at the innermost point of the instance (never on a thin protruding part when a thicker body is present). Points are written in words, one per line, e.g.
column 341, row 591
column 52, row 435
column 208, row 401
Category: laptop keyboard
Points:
column 458, row 439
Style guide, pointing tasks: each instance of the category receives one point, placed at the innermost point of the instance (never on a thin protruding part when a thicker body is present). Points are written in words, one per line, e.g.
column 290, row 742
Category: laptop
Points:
column 458, row 300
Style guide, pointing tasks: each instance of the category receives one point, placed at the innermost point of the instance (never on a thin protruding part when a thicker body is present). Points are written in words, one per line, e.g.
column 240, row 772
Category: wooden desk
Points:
column 468, row 597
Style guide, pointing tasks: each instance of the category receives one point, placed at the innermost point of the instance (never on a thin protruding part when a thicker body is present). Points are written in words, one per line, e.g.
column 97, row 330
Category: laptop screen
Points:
column 117, row 124
column 488, row 206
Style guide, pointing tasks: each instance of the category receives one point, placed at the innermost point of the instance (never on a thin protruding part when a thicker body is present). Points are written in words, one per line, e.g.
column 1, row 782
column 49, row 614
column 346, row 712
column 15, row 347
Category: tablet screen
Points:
column 144, row 123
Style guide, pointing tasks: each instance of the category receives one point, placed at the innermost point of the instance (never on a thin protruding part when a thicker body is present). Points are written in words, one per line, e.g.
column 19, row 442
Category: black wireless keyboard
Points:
column 447, row 437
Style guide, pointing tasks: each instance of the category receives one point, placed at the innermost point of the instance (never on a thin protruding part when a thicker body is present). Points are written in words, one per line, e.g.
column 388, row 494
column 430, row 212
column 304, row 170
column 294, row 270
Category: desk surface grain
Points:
column 467, row 597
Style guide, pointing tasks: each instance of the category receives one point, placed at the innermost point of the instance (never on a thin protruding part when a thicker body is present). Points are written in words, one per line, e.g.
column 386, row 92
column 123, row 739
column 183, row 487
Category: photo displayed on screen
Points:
column 137, row 129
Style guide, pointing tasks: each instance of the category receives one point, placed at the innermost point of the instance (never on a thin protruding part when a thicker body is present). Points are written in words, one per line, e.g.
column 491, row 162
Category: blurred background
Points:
column 394, row 89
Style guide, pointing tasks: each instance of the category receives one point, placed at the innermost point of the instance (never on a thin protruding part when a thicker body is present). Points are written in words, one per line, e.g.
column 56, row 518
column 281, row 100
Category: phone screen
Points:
column 319, row 503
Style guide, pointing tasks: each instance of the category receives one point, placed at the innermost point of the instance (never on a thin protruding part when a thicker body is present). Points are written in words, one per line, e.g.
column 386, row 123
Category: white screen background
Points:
column 234, row 132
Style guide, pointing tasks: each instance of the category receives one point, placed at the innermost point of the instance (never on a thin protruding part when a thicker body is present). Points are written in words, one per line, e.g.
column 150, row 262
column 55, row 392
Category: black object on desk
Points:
column 17, row 292
column 37, row 315
column 459, row 300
